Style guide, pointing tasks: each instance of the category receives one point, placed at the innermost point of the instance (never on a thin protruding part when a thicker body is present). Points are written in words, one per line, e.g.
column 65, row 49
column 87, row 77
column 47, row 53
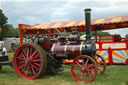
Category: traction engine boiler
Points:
column 43, row 53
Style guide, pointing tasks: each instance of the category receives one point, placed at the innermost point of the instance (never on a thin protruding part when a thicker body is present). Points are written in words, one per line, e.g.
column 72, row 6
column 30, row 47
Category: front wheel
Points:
column 30, row 61
column 84, row 68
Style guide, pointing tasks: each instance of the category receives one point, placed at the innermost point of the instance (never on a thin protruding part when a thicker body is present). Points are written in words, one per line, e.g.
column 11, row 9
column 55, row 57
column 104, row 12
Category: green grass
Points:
column 10, row 55
column 114, row 75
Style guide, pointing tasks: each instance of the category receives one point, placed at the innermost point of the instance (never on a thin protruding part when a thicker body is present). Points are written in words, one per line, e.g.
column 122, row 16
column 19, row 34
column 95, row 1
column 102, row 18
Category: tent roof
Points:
column 96, row 24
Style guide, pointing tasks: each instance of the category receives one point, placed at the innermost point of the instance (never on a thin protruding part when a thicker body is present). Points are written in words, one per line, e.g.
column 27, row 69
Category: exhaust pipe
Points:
column 88, row 25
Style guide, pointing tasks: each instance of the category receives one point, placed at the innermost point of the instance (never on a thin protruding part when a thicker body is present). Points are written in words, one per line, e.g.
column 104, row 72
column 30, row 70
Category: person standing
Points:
column 3, row 51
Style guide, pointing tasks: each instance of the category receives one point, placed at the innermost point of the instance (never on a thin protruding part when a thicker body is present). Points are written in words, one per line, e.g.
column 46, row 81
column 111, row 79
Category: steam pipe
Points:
column 88, row 24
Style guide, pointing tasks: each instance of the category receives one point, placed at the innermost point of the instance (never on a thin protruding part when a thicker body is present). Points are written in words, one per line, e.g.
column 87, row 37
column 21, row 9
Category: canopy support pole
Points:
column 96, row 34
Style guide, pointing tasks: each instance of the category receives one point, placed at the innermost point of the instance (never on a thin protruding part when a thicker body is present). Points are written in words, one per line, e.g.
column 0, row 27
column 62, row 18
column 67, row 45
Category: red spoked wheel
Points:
column 101, row 64
column 30, row 61
column 84, row 68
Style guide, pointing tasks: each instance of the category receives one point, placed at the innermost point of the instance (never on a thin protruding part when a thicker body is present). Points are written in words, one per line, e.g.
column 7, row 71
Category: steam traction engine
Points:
column 44, row 52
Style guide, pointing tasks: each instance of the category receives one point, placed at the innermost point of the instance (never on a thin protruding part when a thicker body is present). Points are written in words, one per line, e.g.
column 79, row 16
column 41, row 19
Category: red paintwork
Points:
column 23, row 54
column 112, row 38
column 83, row 69
column 110, row 49
column 20, row 33
column 46, row 45
column 62, row 48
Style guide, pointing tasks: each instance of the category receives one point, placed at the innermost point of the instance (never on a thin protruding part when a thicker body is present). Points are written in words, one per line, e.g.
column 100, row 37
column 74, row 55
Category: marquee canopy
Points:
column 96, row 24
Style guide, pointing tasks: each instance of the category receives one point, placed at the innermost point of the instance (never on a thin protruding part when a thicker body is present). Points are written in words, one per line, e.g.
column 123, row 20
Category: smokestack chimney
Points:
column 88, row 24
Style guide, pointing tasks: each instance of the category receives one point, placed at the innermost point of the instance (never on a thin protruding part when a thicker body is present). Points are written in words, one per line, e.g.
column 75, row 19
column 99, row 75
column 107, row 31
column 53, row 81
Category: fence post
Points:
column 110, row 56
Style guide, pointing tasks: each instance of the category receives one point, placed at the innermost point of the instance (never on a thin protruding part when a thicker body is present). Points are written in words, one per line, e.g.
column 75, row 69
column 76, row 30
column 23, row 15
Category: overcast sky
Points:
column 46, row 11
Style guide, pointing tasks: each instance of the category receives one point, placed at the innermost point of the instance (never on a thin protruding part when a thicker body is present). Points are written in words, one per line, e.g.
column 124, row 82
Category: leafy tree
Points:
column 11, row 32
column 3, row 22
column 99, row 33
column 7, row 29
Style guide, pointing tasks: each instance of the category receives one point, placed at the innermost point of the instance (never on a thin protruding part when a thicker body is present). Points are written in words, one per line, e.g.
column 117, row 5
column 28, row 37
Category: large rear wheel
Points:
column 84, row 68
column 30, row 61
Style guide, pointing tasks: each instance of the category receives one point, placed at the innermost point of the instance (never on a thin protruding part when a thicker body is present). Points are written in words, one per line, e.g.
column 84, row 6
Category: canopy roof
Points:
column 96, row 24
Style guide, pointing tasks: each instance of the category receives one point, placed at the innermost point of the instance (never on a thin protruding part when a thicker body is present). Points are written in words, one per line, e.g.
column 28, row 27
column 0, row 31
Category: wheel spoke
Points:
column 33, row 54
column 37, row 68
column 83, row 61
column 29, row 69
column 19, row 58
column 78, row 63
column 24, row 52
column 85, row 76
column 81, row 76
column 36, row 56
column 33, row 70
column 21, row 66
column 37, row 64
column 28, row 52
column 26, row 71
column 23, row 55
column 90, row 74
column 91, row 65
column 25, row 66
column 21, row 62
column 37, row 60
column 86, row 62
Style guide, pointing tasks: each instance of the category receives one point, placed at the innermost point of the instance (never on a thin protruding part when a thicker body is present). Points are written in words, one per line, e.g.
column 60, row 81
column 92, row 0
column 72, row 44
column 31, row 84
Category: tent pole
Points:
column 96, row 34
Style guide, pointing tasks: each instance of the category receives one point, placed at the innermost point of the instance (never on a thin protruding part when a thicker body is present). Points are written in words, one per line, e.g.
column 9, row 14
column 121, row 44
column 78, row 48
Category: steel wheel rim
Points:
column 85, row 70
column 27, row 61
column 101, row 64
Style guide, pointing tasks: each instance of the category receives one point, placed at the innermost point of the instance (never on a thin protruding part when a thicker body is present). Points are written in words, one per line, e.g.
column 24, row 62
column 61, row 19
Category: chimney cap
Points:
column 88, row 10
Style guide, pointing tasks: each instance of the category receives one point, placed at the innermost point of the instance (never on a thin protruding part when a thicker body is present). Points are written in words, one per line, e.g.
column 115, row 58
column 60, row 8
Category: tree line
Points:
column 8, row 30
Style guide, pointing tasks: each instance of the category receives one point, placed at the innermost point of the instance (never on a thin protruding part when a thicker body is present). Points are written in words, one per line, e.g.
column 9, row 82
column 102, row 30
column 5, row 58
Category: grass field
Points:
column 114, row 75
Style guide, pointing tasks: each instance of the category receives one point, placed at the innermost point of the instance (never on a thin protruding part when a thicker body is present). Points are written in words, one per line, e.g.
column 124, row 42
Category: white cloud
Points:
column 62, row 13
column 46, row 11
column 122, row 31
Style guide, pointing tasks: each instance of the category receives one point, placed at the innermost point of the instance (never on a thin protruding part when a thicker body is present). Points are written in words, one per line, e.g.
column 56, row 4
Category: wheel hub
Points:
column 83, row 69
column 26, row 61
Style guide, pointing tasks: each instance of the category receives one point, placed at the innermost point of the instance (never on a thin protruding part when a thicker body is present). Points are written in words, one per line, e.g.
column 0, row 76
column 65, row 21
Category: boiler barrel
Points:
column 66, row 50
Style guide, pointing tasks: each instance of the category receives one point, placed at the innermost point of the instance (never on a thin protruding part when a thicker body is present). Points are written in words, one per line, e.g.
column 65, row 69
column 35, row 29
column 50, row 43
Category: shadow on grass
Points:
column 10, row 70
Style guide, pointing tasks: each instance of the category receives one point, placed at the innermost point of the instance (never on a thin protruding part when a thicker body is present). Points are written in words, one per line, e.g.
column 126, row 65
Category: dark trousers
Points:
column 2, row 53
